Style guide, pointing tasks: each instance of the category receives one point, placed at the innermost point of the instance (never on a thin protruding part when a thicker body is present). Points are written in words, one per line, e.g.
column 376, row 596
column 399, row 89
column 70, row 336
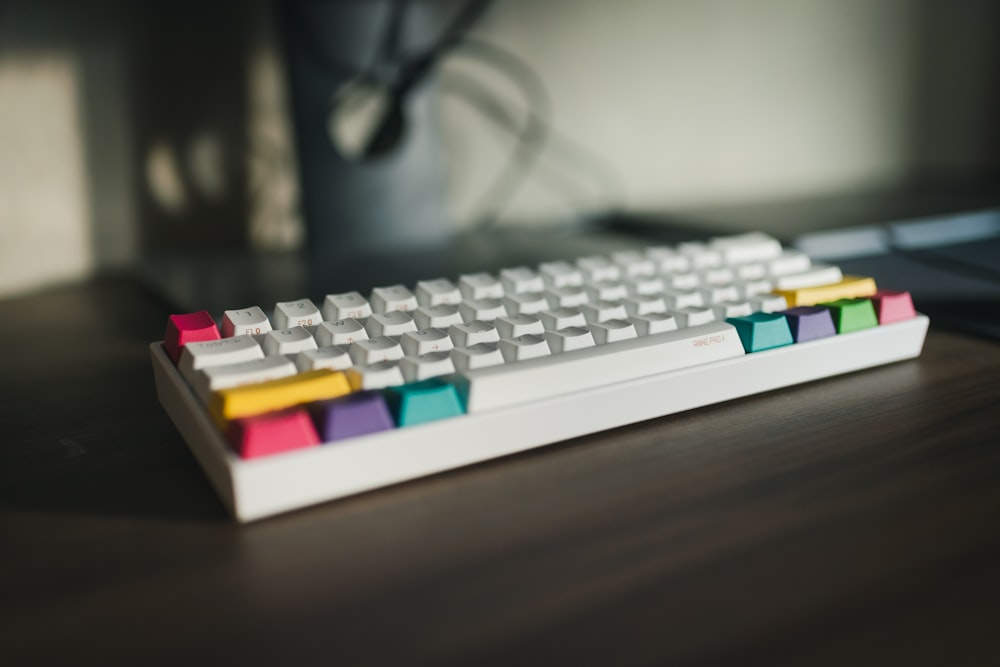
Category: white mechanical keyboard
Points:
column 315, row 400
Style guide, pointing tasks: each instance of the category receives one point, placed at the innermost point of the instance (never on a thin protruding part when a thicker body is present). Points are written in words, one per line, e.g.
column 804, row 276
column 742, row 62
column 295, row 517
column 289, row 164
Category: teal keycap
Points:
column 422, row 402
column 762, row 331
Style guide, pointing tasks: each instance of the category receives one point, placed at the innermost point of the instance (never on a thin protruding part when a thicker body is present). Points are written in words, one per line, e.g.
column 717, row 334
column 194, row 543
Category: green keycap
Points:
column 762, row 331
column 422, row 402
column 852, row 314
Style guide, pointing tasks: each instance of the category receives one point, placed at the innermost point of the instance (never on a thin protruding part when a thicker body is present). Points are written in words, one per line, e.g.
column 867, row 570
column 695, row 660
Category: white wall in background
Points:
column 705, row 102
column 44, row 224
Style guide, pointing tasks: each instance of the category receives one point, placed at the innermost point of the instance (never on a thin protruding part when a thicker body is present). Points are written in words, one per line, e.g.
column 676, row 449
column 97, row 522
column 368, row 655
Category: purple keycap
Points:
column 350, row 416
column 810, row 322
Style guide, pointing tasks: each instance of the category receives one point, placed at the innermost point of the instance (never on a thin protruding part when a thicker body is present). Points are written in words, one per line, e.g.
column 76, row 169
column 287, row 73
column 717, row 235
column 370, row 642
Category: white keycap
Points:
column 720, row 293
column 374, row 350
column 693, row 316
column 521, row 279
column 299, row 313
column 818, row 274
column 569, row 339
column 333, row 357
column 375, row 376
column 566, row 297
column 437, row 292
column 732, row 309
column 749, row 247
column 526, row 303
column 348, row 305
column 602, row 365
column 425, row 341
column 432, row 364
column 612, row 331
column 602, row 311
column 634, row 263
column 392, row 323
column 653, row 323
column 718, row 276
column 480, row 286
column 751, row 288
column 667, row 260
column 488, row 308
column 643, row 286
column 288, row 341
column 513, row 326
column 214, row 378
column 683, row 299
column 644, row 305
column 202, row 354
column 606, row 290
column 562, row 318
column 702, row 255
column 472, row 333
column 438, row 317
column 768, row 303
column 393, row 297
column 481, row 355
column 245, row 322
column 598, row 267
column 340, row 332
column 528, row 346
column 789, row 261
column 751, row 272
column 682, row 281
column 560, row 274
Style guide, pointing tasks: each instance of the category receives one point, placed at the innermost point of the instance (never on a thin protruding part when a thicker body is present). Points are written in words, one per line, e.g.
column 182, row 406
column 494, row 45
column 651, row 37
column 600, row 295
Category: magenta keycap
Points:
column 188, row 328
column 810, row 322
column 892, row 306
column 353, row 415
column 275, row 432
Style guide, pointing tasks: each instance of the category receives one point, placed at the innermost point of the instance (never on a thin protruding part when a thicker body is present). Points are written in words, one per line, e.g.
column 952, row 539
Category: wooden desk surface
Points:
column 852, row 520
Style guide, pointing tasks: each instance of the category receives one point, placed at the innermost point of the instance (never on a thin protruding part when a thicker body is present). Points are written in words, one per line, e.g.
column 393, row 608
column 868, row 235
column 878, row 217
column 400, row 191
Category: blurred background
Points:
column 130, row 131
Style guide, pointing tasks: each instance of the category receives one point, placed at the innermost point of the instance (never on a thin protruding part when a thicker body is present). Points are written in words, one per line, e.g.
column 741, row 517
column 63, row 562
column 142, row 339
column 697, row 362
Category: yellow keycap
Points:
column 850, row 287
column 255, row 399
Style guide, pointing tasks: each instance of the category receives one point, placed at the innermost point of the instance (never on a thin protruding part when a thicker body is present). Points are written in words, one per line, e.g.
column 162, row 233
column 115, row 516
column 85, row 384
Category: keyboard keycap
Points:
column 480, row 355
column 437, row 317
column 288, row 341
column 560, row 374
column 473, row 333
column 849, row 288
column 344, row 306
column 392, row 323
column 892, row 306
column 375, row 350
column 438, row 292
column 376, row 375
column 340, row 332
column 430, row 365
column 245, row 322
column 265, row 435
column 333, row 357
column 299, row 313
column 815, row 276
column 424, row 341
column 488, row 308
column 215, row 378
column 480, row 286
column 528, row 346
column 393, row 297
column 423, row 402
column 810, row 323
column 852, row 314
column 569, row 339
column 351, row 416
column 512, row 326
column 762, row 331
column 188, row 328
column 255, row 399
column 219, row 352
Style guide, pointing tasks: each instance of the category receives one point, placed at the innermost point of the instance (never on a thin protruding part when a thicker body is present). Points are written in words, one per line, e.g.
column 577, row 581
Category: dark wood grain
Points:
column 851, row 520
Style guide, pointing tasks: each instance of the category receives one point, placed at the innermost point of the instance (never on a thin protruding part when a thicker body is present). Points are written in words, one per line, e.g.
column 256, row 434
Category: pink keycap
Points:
column 263, row 435
column 188, row 328
column 892, row 306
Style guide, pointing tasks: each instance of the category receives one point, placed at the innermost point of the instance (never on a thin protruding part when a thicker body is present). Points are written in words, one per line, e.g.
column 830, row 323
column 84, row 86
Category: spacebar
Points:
column 546, row 377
